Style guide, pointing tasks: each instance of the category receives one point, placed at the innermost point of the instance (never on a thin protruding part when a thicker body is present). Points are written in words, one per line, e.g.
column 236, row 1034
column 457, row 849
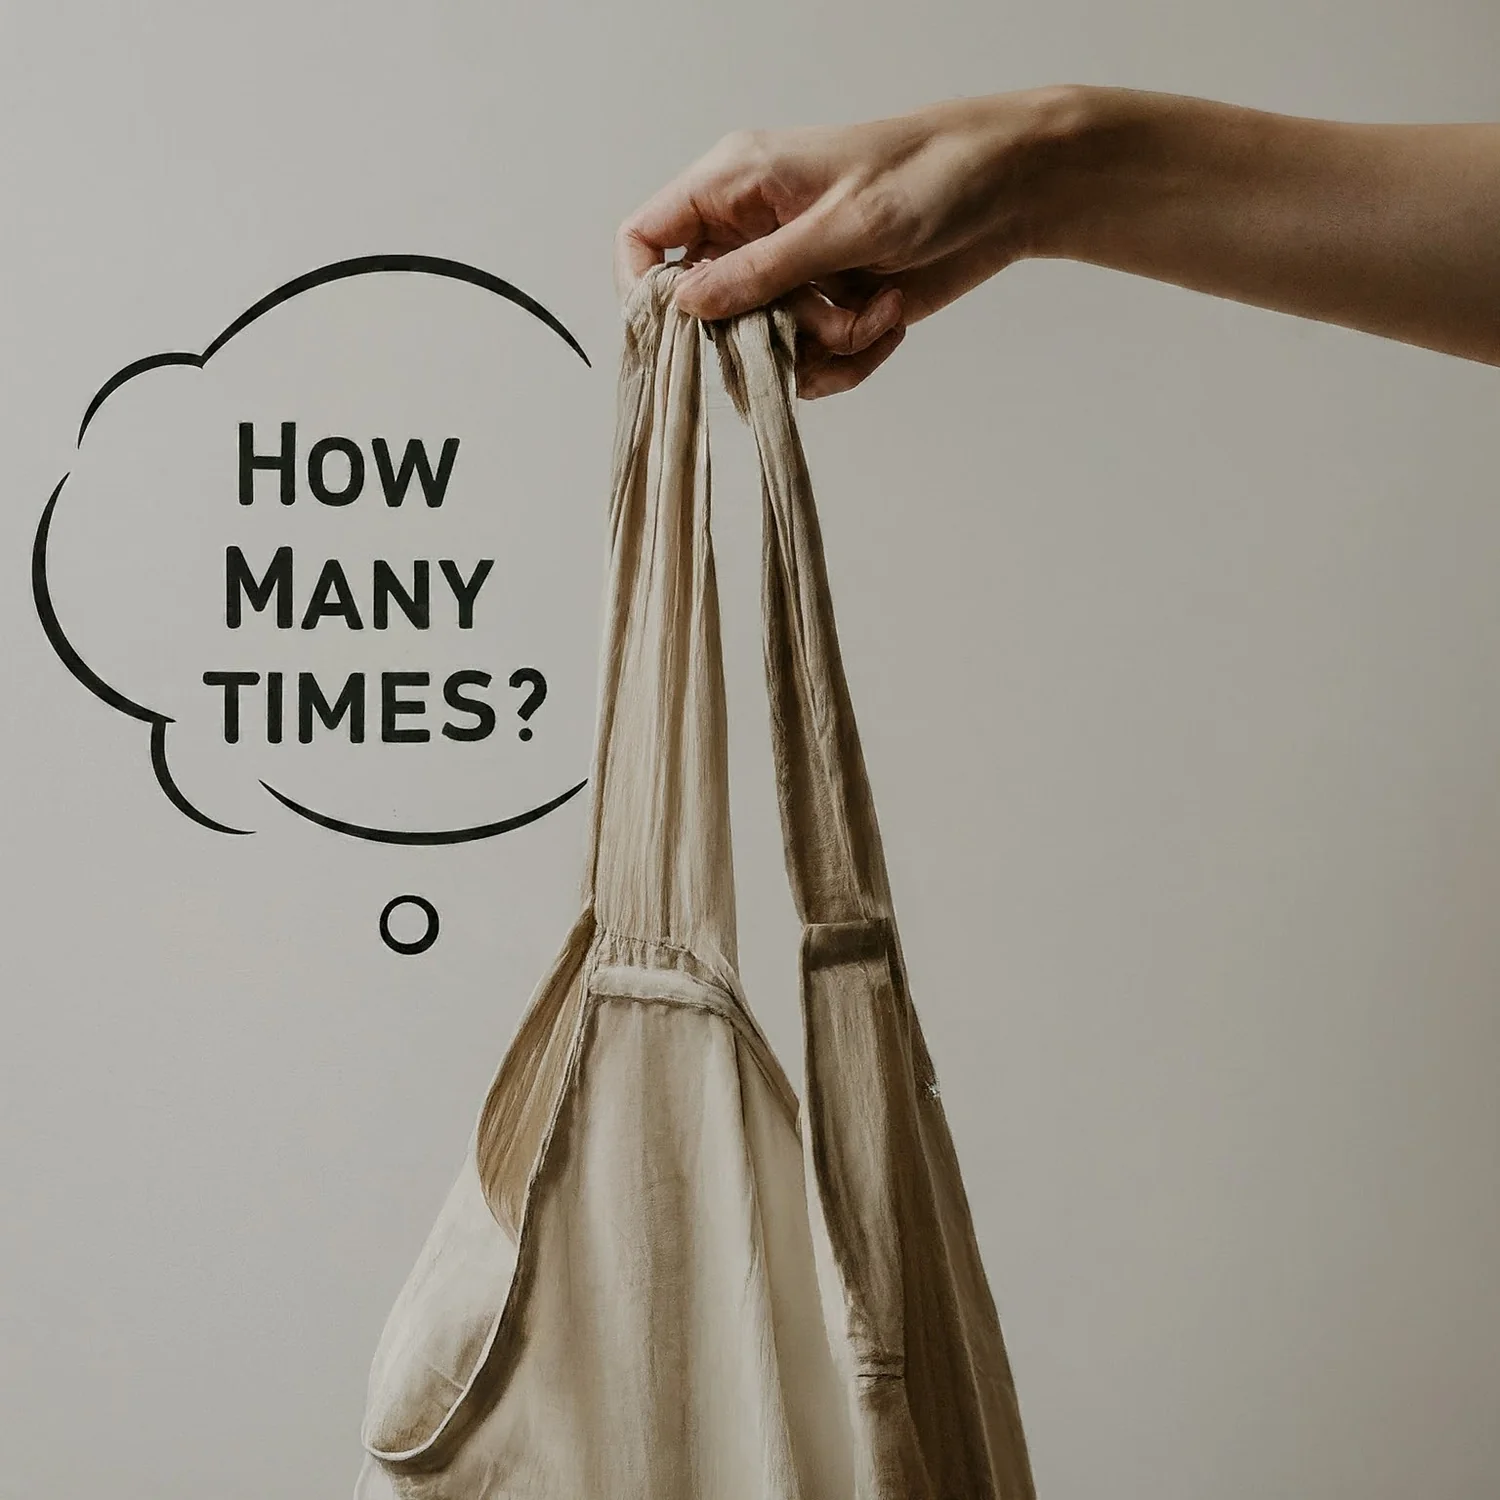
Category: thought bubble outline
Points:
column 68, row 654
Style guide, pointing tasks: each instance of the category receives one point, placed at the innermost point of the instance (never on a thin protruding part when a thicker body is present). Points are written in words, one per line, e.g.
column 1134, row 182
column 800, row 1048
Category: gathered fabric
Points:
column 657, row 1275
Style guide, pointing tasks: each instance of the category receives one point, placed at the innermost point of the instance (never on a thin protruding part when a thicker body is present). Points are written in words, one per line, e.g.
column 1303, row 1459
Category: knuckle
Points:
column 878, row 215
column 741, row 146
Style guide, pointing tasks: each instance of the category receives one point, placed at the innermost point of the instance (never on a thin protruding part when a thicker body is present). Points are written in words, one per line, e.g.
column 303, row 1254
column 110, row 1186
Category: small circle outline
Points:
column 417, row 945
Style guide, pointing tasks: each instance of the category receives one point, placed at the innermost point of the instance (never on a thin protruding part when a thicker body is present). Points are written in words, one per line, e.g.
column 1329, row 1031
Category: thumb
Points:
column 761, row 271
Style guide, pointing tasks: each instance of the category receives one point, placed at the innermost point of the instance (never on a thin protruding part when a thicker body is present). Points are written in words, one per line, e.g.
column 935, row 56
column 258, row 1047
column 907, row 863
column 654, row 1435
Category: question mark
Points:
column 534, row 699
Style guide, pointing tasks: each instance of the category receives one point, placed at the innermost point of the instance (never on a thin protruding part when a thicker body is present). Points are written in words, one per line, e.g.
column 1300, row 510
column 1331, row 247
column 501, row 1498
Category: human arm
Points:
column 1391, row 229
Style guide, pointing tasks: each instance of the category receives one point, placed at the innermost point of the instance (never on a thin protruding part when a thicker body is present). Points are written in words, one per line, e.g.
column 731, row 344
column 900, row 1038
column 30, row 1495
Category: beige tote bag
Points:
column 655, row 1277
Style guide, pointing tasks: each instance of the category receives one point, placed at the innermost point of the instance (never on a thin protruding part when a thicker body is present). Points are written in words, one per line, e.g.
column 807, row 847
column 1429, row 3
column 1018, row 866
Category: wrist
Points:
column 1086, row 155
column 1139, row 181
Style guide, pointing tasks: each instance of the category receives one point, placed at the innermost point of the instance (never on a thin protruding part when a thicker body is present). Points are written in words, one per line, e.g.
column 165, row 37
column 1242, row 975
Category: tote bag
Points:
column 657, row 1276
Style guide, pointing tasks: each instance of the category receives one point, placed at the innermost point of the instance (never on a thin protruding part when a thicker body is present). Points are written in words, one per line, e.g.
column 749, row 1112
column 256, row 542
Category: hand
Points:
column 861, row 230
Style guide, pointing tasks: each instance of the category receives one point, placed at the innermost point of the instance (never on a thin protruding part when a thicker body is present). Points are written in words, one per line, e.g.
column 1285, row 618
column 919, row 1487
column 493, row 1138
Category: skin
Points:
column 865, row 229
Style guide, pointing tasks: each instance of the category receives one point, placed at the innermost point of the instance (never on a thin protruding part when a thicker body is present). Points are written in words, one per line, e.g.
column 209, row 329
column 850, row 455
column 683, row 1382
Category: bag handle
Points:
column 660, row 866
column 830, row 833
column 660, row 869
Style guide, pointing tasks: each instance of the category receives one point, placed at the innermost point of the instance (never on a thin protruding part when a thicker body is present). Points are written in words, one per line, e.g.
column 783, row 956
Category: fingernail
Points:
column 881, row 315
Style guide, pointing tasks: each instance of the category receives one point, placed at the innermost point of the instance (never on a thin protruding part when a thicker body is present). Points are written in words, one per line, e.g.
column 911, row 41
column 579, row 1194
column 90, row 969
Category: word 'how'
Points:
column 394, row 481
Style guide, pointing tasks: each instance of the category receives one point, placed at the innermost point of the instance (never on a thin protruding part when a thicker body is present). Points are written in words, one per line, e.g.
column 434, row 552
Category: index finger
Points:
column 670, row 217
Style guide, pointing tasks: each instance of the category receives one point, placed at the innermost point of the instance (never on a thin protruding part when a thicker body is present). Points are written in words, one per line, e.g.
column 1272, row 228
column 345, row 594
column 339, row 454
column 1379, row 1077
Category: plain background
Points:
column 1174, row 628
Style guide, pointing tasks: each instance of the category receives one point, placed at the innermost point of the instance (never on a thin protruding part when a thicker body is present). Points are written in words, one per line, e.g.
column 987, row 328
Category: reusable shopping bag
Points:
column 656, row 1277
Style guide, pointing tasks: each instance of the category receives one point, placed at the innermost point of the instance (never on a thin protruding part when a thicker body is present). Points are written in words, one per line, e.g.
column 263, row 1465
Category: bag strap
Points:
column 660, row 865
column 660, row 868
column 830, row 833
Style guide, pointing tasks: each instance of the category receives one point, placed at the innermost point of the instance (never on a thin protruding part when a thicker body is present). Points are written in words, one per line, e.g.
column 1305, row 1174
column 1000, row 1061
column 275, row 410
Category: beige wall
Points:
column 1175, row 632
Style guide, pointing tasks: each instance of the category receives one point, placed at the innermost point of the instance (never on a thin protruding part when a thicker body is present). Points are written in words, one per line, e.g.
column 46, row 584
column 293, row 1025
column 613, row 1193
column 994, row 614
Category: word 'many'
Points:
column 332, row 594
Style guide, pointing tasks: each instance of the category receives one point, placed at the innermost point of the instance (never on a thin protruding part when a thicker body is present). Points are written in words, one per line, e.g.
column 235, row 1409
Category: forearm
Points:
column 1393, row 229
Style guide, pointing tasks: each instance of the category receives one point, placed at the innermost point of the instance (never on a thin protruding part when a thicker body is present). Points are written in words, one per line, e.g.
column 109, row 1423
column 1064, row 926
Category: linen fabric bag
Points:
column 655, row 1277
